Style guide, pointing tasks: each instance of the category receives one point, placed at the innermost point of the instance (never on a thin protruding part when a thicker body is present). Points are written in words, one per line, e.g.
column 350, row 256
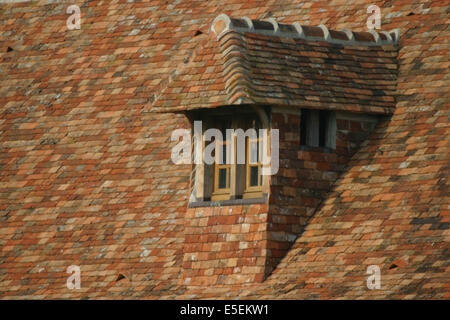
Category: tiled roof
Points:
column 246, row 61
column 85, row 175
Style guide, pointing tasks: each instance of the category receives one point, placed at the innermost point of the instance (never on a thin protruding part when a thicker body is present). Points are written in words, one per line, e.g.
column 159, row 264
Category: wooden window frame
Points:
column 253, row 191
column 238, row 175
column 221, row 193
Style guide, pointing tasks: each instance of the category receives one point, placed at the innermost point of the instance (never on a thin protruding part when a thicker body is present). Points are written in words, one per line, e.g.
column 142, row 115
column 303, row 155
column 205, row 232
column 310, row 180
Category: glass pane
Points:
column 254, row 176
column 253, row 151
column 224, row 153
column 222, row 178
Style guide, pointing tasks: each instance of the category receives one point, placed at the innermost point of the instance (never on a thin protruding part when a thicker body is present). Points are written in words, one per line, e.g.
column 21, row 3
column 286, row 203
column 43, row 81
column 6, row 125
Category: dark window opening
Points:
column 323, row 127
column 318, row 128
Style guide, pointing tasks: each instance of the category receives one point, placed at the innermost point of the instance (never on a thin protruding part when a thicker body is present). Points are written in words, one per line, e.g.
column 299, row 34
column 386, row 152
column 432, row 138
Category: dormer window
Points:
column 318, row 128
column 237, row 171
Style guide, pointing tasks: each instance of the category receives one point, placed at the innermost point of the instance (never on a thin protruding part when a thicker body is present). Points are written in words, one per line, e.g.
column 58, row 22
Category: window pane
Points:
column 222, row 178
column 323, row 126
column 254, row 176
column 224, row 153
column 253, row 151
column 331, row 131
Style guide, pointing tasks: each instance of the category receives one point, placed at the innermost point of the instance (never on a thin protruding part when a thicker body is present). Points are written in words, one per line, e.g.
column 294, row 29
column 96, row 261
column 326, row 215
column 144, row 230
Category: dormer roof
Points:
column 244, row 61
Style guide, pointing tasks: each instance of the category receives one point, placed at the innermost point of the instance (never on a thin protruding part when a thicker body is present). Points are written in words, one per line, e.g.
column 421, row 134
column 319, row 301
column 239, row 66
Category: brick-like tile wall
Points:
column 306, row 175
column 225, row 245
